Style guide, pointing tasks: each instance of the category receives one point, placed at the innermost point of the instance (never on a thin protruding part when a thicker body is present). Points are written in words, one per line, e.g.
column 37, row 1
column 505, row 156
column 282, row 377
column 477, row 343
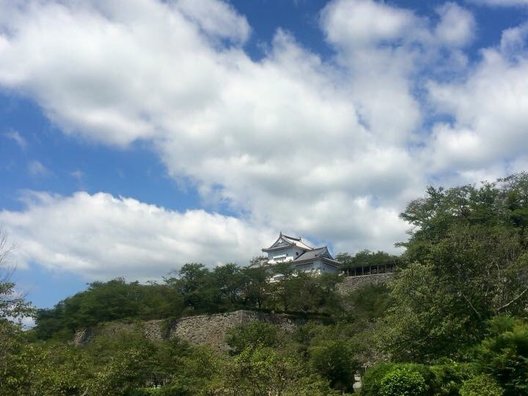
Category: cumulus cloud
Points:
column 100, row 236
column 513, row 42
column 329, row 148
column 501, row 3
column 488, row 110
column 216, row 19
column 270, row 138
column 363, row 22
column 456, row 26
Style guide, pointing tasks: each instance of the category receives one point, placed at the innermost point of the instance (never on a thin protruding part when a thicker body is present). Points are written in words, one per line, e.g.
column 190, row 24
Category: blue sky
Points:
column 139, row 135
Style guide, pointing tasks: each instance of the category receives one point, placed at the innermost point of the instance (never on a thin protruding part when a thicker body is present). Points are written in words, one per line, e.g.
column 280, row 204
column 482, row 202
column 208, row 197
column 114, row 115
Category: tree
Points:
column 367, row 259
column 253, row 335
column 335, row 361
column 467, row 260
column 504, row 354
column 14, row 368
column 423, row 322
column 263, row 371
column 108, row 301
column 194, row 283
column 255, row 287
column 12, row 303
column 299, row 291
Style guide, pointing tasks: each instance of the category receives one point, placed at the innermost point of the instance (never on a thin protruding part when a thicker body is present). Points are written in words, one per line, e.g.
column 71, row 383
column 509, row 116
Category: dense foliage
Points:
column 195, row 289
column 453, row 321
column 467, row 261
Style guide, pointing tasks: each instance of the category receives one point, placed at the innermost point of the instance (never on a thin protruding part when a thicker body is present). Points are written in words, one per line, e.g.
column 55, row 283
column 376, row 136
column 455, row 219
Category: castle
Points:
column 287, row 249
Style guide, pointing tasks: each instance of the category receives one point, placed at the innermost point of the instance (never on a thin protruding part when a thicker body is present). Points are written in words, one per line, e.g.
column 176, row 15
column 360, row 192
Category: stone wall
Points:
column 351, row 283
column 200, row 329
column 211, row 329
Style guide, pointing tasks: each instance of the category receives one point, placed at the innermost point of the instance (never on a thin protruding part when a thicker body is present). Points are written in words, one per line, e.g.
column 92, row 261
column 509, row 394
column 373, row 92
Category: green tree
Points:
column 335, row 361
column 228, row 282
column 504, row 354
column 15, row 366
column 467, row 261
column 253, row 335
column 12, row 304
column 194, row 283
column 255, row 287
column 303, row 292
column 422, row 323
column 108, row 301
column 263, row 371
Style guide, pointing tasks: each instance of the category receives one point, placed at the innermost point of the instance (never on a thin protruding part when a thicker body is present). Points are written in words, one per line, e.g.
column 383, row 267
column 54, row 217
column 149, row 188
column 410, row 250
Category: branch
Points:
column 471, row 305
column 512, row 301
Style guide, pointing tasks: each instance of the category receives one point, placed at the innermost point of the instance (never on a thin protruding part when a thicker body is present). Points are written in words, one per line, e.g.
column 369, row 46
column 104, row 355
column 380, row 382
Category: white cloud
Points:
column 363, row 22
column 36, row 168
column 17, row 138
column 100, row 236
column 331, row 149
column 513, row 42
column 217, row 19
column 488, row 110
column 271, row 138
column 501, row 3
column 456, row 26
column 77, row 175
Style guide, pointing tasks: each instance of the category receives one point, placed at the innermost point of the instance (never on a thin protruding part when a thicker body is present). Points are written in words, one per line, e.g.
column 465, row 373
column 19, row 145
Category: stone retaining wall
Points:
column 351, row 283
column 211, row 329
column 200, row 329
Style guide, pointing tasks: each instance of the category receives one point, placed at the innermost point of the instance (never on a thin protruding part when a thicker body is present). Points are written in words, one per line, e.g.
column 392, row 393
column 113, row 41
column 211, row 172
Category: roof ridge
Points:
column 290, row 237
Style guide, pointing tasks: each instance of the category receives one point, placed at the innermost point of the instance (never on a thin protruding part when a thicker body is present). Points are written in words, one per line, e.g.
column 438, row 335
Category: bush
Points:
column 449, row 376
column 504, row 355
column 481, row 385
column 252, row 335
column 372, row 378
column 390, row 379
column 404, row 381
column 334, row 361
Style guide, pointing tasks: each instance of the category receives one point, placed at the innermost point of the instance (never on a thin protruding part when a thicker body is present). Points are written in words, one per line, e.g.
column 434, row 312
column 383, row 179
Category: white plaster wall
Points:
column 290, row 252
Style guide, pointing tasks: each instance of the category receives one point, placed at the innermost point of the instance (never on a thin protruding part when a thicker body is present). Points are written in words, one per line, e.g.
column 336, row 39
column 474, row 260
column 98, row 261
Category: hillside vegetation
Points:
column 452, row 322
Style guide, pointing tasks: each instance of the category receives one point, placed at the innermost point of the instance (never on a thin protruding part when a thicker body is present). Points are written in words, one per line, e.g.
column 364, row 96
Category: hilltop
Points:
column 452, row 320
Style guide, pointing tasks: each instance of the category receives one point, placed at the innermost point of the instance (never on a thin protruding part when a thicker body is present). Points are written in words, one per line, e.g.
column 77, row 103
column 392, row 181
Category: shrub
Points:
column 372, row 378
column 334, row 361
column 252, row 335
column 504, row 355
column 449, row 376
column 404, row 381
column 390, row 379
column 481, row 385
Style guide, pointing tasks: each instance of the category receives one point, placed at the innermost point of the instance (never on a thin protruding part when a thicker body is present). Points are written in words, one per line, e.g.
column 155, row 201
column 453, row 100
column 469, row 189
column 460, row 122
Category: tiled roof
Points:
column 321, row 253
column 297, row 242
column 286, row 240
column 314, row 254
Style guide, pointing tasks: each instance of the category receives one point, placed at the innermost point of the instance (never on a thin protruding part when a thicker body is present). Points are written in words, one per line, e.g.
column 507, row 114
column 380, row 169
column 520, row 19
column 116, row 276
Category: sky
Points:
column 140, row 135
